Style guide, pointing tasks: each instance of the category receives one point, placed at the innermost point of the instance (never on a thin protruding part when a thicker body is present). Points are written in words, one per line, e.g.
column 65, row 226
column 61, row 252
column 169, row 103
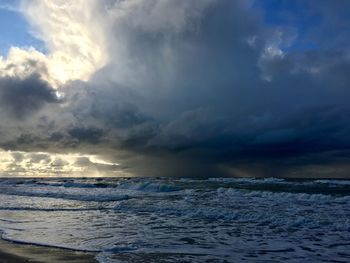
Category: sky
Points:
column 175, row 88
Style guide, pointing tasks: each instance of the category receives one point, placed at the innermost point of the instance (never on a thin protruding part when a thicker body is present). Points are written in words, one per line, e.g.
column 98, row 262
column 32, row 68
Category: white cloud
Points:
column 74, row 42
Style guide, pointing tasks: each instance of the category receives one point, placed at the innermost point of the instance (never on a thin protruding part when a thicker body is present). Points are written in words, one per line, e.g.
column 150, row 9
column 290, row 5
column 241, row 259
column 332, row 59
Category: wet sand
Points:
column 18, row 253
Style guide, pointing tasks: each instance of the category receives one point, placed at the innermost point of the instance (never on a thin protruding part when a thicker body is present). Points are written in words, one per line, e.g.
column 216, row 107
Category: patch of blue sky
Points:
column 14, row 29
column 295, row 14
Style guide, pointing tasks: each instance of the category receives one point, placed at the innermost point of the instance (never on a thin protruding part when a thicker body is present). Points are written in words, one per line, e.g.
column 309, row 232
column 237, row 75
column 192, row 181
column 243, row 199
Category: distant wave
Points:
column 78, row 196
column 148, row 187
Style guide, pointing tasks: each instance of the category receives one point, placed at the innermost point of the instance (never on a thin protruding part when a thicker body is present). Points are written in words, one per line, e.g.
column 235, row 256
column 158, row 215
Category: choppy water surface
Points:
column 182, row 220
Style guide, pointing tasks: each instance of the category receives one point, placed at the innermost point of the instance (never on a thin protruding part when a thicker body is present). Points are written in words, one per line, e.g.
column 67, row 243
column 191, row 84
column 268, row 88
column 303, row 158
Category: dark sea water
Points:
column 182, row 220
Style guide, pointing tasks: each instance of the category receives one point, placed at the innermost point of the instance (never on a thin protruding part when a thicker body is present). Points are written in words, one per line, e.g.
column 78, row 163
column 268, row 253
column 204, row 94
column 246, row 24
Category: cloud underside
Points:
column 178, row 88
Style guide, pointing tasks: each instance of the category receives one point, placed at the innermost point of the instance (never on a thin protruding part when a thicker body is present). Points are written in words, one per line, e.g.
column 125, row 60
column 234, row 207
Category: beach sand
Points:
column 18, row 253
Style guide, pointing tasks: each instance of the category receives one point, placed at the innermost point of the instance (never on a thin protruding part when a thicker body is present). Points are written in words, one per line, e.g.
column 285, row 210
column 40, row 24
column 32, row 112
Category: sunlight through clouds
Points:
column 75, row 45
column 42, row 164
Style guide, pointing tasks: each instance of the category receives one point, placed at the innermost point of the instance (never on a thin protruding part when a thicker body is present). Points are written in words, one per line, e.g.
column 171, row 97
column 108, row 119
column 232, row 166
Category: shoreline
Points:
column 11, row 252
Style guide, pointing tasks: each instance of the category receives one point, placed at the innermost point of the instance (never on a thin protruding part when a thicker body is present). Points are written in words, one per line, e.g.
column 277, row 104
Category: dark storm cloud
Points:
column 23, row 96
column 245, row 95
column 89, row 135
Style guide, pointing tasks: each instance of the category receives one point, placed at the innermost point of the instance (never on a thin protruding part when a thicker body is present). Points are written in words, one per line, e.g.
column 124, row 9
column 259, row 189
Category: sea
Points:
column 181, row 219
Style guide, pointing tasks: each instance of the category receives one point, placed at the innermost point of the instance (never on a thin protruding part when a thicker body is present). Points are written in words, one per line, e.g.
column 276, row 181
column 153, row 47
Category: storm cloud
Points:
column 21, row 97
column 190, row 88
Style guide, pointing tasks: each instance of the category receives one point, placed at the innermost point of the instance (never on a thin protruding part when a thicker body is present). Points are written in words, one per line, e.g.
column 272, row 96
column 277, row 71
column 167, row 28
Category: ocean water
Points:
column 182, row 220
